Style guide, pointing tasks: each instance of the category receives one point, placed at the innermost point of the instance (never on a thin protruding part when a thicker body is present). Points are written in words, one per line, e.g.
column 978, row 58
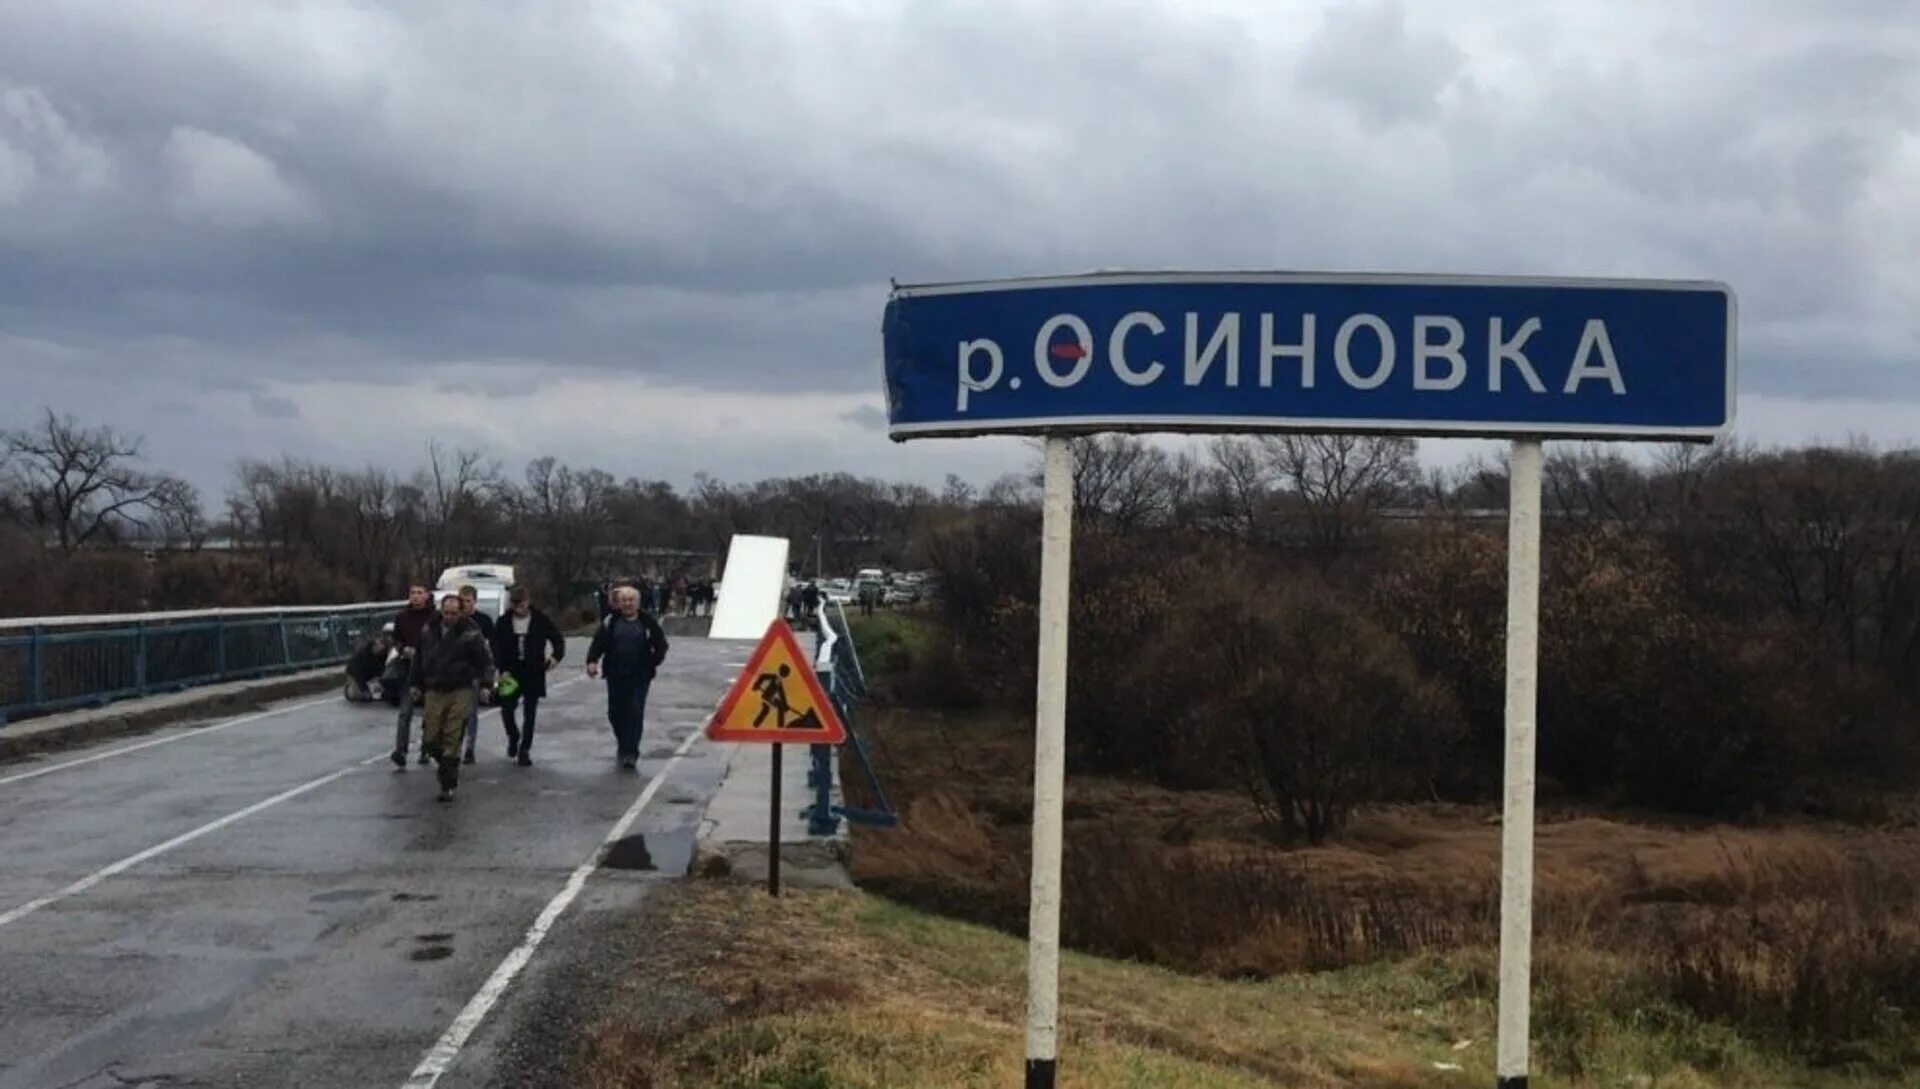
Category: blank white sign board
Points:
column 750, row 587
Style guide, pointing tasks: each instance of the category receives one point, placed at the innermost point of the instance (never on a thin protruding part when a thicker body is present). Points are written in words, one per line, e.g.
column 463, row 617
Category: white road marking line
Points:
column 184, row 838
column 167, row 740
column 199, row 730
column 443, row 1053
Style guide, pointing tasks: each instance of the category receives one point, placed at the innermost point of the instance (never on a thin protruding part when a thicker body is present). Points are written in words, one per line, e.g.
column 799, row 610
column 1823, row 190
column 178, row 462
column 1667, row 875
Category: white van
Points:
column 490, row 582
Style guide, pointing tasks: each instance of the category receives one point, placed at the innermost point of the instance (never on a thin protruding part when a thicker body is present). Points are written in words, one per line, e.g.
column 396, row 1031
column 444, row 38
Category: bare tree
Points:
column 1124, row 482
column 75, row 485
column 1834, row 535
column 1593, row 484
column 1341, row 482
column 459, row 487
column 565, row 515
column 1241, row 486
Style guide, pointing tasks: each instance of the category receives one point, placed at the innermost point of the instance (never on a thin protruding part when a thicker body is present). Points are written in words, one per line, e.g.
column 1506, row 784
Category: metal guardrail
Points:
column 54, row 663
column 837, row 662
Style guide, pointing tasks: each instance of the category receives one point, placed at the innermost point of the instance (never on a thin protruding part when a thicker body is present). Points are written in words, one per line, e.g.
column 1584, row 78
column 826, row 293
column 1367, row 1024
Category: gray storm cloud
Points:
column 294, row 227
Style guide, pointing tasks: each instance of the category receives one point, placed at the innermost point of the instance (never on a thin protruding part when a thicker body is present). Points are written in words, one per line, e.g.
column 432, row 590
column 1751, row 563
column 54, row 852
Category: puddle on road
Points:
column 413, row 897
column 669, row 853
column 432, row 947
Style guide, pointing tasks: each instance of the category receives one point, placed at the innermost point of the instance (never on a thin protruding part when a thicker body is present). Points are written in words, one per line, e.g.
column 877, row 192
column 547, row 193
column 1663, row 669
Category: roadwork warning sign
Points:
column 777, row 699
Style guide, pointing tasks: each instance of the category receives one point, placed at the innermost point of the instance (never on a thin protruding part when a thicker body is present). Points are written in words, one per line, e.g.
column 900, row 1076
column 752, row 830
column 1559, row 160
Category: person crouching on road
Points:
column 409, row 628
column 470, row 607
column 526, row 644
column 450, row 668
column 627, row 651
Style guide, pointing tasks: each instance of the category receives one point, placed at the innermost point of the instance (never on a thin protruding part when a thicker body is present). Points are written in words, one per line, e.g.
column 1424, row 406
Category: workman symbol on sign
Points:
column 777, row 699
column 772, row 688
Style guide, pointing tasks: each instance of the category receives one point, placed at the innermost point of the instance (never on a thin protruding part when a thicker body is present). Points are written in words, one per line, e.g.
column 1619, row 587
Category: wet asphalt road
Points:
column 330, row 938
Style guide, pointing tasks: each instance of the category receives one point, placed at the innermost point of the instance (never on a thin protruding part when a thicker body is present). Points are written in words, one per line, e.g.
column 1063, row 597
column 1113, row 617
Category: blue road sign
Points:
column 1423, row 355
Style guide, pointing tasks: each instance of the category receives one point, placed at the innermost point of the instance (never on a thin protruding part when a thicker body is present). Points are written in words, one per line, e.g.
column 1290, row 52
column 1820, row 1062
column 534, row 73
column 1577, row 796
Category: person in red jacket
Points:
column 409, row 629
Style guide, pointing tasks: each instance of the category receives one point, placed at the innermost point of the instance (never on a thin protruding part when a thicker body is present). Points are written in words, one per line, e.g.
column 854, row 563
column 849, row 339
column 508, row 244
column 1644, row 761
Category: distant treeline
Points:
column 1726, row 630
column 87, row 526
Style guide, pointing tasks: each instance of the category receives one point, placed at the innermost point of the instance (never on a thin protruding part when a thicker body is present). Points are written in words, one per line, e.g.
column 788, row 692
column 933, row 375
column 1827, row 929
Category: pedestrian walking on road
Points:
column 450, row 669
column 409, row 628
column 470, row 606
column 526, row 645
column 627, row 651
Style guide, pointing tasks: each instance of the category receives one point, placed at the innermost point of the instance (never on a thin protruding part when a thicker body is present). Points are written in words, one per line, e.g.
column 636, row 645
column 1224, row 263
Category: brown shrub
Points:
column 1250, row 913
column 1818, row 952
column 1643, row 699
column 1319, row 707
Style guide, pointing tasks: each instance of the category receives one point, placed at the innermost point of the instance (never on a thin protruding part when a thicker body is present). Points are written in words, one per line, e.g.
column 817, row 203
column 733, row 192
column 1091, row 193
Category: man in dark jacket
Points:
column 451, row 665
column 627, row 651
column 364, row 667
column 470, row 606
column 409, row 626
column 526, row 644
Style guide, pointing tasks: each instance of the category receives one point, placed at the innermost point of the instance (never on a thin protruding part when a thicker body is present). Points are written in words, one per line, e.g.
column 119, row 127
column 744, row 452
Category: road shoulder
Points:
column 127, row 718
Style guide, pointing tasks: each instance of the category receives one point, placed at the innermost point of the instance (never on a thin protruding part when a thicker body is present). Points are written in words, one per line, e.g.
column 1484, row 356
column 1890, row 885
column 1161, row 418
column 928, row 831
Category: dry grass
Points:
column 846, row 991
column 1805, row 940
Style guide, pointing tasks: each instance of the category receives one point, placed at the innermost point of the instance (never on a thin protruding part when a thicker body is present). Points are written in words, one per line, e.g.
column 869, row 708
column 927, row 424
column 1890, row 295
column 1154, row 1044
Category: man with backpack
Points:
column 526, row 644
column 627, row 651
column 451, row 667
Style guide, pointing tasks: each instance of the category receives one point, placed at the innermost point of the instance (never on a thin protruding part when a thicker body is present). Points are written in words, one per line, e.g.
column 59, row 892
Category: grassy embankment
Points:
column 1669, row 955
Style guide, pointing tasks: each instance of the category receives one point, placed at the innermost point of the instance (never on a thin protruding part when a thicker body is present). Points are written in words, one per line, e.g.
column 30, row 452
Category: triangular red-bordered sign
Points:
column 777, row 698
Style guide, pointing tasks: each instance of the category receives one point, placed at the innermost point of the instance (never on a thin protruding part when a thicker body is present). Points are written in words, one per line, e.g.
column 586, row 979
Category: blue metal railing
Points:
column 54, row 663
column 837, row 661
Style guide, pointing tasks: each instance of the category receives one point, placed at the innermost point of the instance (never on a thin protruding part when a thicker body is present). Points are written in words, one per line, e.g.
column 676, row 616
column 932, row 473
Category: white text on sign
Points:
column 1364, row 351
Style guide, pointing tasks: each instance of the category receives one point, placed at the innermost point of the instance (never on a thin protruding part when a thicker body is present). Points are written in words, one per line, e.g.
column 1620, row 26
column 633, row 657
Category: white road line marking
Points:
column 167, row 740
column 131, row 861
column 197, row 731
column 447, row 1049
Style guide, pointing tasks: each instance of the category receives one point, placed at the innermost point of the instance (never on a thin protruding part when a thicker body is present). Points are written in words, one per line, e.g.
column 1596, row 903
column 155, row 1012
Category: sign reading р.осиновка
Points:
column 1434, row 355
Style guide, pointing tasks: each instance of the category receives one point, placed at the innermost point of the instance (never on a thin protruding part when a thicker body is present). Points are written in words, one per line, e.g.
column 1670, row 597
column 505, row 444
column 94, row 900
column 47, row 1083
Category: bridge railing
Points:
column 837, row 662
column 54, row 663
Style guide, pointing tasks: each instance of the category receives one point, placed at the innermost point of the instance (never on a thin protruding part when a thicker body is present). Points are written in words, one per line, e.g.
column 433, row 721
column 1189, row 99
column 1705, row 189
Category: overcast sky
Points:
column 657, row 235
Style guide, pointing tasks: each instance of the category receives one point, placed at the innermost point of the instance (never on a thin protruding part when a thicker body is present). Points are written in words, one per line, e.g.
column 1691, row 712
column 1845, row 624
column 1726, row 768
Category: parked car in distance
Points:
column 490, row 582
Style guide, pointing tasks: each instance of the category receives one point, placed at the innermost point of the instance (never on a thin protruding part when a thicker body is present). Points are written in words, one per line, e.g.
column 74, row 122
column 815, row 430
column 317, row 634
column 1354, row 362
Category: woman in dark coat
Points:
column 526, row 644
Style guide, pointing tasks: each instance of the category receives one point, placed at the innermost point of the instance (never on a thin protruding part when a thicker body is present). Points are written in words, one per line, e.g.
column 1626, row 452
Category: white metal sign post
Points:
column 1049, row 765
column 1293, row 352
column 1516, row 832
